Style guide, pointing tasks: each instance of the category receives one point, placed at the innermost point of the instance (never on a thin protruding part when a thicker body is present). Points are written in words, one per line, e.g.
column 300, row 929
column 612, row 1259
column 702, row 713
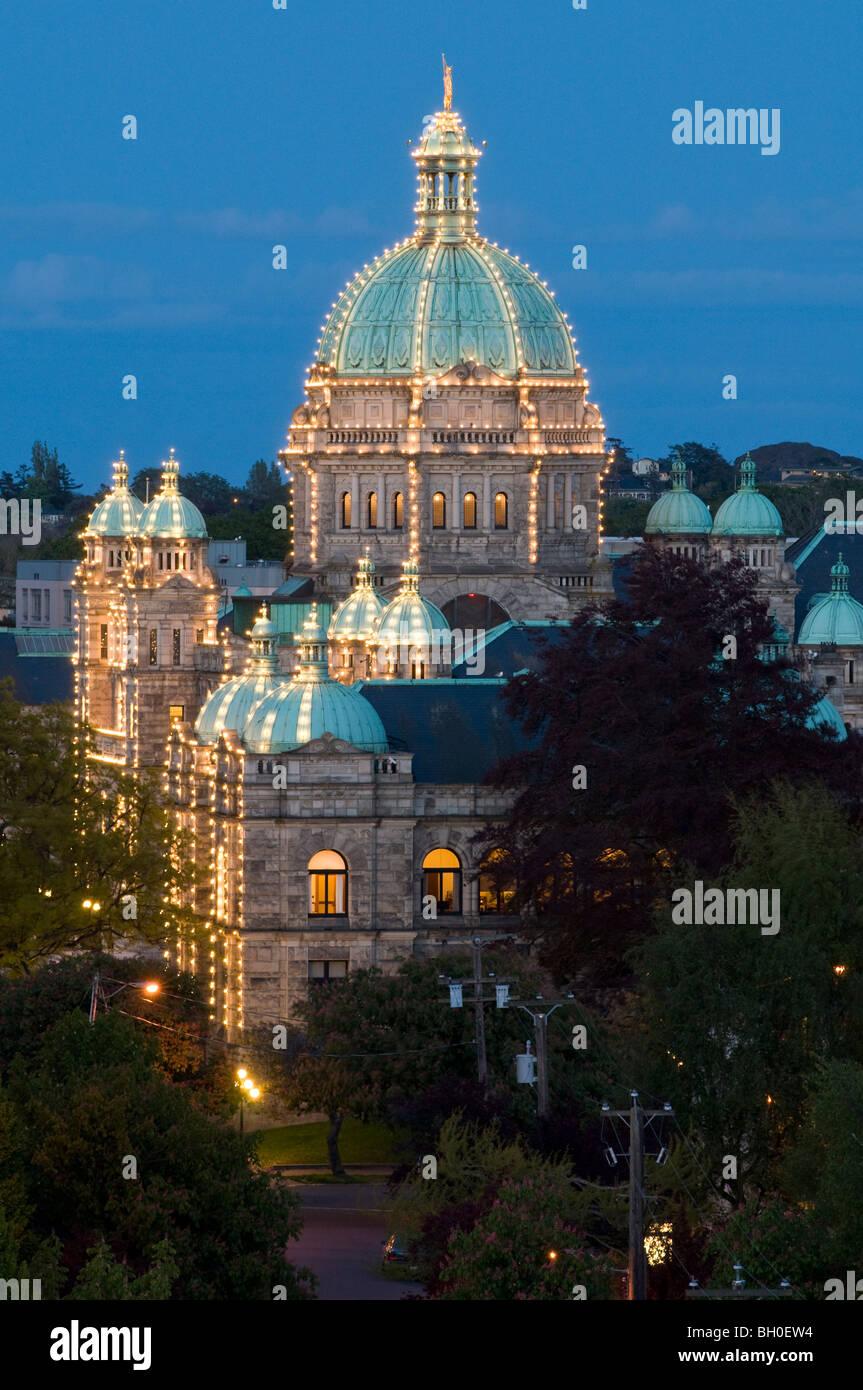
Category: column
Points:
column 486, row 502
column 550, row 484
column 567, row 500
column 382, row 501
column 455, row 505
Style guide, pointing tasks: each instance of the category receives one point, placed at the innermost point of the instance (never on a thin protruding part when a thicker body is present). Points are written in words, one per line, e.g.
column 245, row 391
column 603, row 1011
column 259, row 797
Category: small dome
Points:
column 170, row 516
column 243, row 591
column 678, row 512
column 230, row 704
column 837, row 617
column 356, row 619
column 313, row 704
column 120, row 512
column 410, row 620
column 747, row 512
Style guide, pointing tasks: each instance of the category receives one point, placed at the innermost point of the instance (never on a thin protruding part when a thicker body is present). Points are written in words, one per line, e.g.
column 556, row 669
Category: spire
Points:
column 121, row 473
column 678, row 474
column 365, row 572
column 410, row 578
column 312, row 642
column 747, row 474
column 264, row 660
column 839, row 577
column 170, row 473
column 447, row 85
column 445, row 159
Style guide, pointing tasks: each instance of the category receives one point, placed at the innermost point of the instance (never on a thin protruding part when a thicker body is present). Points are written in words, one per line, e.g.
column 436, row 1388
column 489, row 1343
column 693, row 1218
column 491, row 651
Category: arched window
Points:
column 438, row 511
column 398, row 512
column 501, row 511
column 372, row 509
column 346, row 510
column 469, row 512
column 496, row 883
column 442, row 879
column 328, row 884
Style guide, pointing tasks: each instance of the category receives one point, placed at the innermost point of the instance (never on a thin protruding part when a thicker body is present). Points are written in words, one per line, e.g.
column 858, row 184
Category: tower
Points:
column 447, row 422
column 147, row 652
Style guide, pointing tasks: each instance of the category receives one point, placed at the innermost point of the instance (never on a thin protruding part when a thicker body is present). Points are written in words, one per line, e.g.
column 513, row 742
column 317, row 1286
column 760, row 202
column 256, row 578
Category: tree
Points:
column 527, row 1247
column 209, row 492
column 104, row 1277
column 95, row 1097
column 370, row 1041
column 82, row 859
column 739, row 1023
column 640, row 735
column 712, row 475
column 265, row 486
column 47, row 478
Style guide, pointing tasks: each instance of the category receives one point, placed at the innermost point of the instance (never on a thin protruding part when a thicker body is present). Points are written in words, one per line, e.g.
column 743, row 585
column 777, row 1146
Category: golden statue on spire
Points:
column 447, row 85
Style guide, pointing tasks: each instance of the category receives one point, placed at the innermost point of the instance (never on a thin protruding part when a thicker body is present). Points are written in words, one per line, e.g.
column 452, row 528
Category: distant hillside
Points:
column 771, row 459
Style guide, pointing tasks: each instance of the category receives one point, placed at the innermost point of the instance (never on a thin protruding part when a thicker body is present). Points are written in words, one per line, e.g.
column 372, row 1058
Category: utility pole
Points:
column 457, row 1002
column 635, row 1117
column 95, row 992
column 539, row 1017
column 637, row 1258
column 481, row 1056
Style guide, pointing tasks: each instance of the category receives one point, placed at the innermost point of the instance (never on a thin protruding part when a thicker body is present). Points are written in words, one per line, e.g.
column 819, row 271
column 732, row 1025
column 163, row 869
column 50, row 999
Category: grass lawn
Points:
column 358, row 1143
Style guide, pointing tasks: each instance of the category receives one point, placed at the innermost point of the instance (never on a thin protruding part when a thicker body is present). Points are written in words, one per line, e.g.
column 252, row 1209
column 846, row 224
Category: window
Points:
column 850, row 672
column 199, row 636
column 372, row 510
column 25, row 604
column 346, row 510
column 501, row 511
column 418, row 670
column 154, row 646
column 103, row 642
column 328, row 884
column 36, row 597
column 398, row 512
column 46, row 594
column 442, row 879
column 67, row 605
column 193, row 560
column 161, row 561
column 438, row 511
column 176, row 713
column 496, row 883
column 175, row 647
column 469, row 511
column 322, row 970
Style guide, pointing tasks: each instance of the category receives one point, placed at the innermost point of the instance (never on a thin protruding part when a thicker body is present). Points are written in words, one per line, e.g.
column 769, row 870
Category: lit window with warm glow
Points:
column 328, row 884
column 438, row 511
column 442, row 879
column 501, row 512
column 469, row 512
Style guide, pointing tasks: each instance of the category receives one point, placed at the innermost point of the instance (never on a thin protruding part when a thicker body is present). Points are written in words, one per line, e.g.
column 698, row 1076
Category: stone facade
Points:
column 254, row 841
column 147, row 648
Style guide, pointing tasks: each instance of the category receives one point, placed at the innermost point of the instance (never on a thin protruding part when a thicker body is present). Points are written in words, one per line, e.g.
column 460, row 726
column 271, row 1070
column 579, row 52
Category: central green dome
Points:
column 446, row 295
column 837, row 617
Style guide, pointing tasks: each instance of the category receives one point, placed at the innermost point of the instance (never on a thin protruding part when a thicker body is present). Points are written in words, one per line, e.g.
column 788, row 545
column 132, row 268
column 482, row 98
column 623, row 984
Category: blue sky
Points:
column 258, row 126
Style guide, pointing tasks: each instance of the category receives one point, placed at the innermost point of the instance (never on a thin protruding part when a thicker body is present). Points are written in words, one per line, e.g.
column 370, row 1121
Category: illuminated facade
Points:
column 447, row 420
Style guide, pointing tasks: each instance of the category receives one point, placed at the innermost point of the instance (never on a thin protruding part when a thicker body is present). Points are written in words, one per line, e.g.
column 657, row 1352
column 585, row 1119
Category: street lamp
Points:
column 97, row 990
column 248, row 1090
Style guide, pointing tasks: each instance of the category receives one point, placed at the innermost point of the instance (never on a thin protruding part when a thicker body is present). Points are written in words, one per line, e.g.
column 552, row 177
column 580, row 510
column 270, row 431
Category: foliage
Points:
column 826, row 1165
column 94, row 1097
column 623, row 517
column 637, row 694
column 743, row 1021
column 508, row 1253
column 44, row 477
column 70, row 836
column 104, row 1277
column 771, row 1240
